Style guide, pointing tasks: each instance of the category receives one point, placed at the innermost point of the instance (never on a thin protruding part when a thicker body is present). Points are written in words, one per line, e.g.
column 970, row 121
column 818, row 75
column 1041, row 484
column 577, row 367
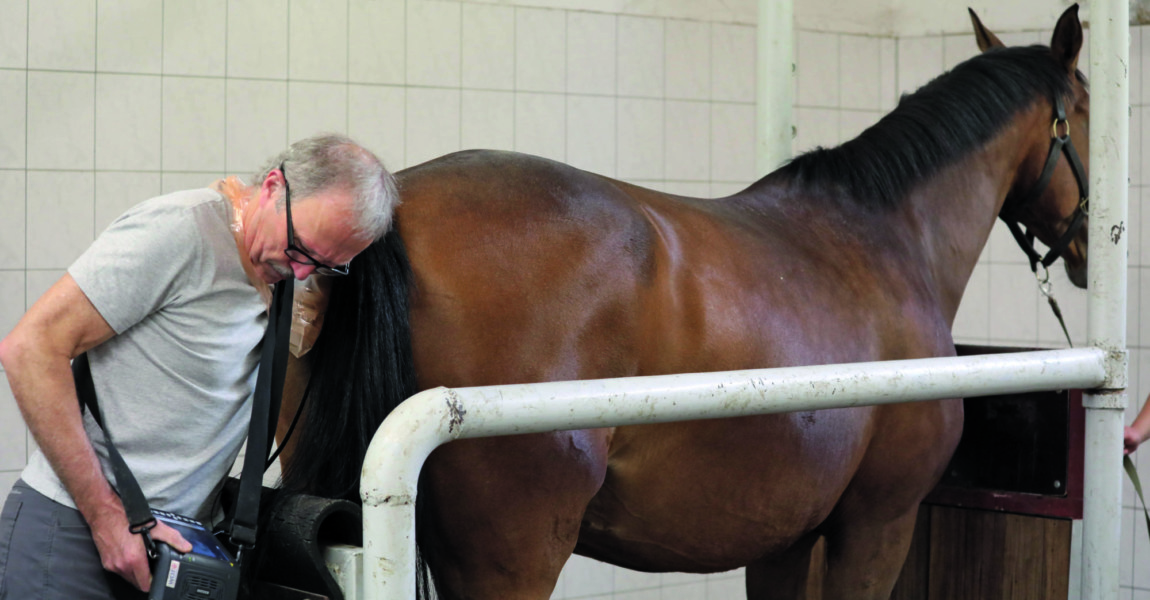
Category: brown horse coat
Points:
column 527, row 270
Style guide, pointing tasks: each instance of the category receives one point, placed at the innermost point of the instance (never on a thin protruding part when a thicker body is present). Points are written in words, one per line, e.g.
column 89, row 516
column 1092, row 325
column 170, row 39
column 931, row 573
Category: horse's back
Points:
column 524, row 255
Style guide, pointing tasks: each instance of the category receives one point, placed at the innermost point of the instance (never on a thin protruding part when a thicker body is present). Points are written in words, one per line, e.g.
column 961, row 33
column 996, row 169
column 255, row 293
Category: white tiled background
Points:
column 105, row 103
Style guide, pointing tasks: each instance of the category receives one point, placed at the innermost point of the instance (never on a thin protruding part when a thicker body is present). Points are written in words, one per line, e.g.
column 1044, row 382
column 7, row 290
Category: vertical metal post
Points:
column 1109, row 169
column 775, row 81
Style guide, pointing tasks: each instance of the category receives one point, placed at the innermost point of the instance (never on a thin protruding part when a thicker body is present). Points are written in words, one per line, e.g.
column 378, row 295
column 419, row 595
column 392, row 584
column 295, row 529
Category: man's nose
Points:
column 302, row 271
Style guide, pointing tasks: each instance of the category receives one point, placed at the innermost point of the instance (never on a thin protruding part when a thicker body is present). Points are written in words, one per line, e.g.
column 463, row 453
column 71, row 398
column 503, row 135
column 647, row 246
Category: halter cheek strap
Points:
column 1059, row 144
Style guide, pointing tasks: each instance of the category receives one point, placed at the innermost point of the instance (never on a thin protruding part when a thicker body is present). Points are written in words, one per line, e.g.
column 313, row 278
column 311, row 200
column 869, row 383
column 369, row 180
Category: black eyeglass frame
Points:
column 293, row 252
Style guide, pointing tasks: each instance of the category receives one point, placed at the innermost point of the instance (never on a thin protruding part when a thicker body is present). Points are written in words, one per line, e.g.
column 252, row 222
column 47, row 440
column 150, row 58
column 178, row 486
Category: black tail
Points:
column 362, row 368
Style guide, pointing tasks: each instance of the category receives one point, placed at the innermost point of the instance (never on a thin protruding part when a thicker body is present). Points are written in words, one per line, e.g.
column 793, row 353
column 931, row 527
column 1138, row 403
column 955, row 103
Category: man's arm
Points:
column 62, row 324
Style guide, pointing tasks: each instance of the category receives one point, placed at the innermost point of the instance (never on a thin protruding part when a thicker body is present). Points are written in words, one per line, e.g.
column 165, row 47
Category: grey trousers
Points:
column 47, row 553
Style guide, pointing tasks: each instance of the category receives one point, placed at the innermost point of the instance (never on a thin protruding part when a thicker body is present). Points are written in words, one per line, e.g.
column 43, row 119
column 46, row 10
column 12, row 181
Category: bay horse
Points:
column 507, row 268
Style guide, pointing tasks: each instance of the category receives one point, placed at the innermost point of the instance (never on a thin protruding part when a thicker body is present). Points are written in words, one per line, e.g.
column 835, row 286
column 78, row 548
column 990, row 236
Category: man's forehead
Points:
column 326, row 224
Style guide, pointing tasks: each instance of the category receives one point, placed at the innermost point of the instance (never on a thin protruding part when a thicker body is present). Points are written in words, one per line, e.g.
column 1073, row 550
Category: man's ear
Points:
column 985, row 38
column 269, row 188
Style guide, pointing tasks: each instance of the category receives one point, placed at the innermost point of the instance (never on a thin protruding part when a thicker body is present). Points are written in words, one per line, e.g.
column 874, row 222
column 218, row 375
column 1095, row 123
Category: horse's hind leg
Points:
column 864, row 559
column 504, row 513
column 786, row 577
column 870, row 531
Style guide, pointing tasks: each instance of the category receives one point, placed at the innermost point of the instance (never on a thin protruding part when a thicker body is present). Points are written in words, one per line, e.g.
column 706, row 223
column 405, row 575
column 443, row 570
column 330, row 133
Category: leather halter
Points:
column 1059, row 144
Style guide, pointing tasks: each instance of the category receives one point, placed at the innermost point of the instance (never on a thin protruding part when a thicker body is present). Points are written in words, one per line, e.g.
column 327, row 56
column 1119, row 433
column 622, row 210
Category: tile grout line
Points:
column 406, row 40
column 460, row 111
column 347, row 73
column 566, row 81
column 27, row 209
column 162, row 80
column 95, row 105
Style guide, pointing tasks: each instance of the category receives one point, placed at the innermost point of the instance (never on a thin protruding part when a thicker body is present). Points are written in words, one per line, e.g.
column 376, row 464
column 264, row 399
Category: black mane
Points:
column 945, row 119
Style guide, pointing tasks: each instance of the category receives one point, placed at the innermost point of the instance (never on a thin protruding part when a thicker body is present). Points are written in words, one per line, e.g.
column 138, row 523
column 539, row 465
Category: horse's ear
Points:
column 986, row 39
column 1067, row 40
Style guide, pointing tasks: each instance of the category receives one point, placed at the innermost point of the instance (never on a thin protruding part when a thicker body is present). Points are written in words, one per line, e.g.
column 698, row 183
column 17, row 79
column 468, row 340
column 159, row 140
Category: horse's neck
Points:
column 955, row 210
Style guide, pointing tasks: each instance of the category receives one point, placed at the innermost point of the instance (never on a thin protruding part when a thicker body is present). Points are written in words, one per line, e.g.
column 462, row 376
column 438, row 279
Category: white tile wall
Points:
column 540, row 126
column 128, row 121
column 315, row 108
column 641, row 57
column 688, row 60
column 13, row 142
column 174, row 182
column 377, row 41
column 11, row 307
column 59, row 217
column 433, row 126
column 817, row 87
column 12, row 219
column 257, row 39
column 256, row 123
column 61, row 120
column 920, row 60
column 375, row 116
column 860, row 79
column 62, row 35
column 488, row 47
column 591, row 133
column 117, row 191
column 732, row 142
column 686, row 141
column 957, row 48
column 36, row 282
column 13, row 448
column 312, row 26
column 488, row 120
column 129, row 36
column 109, row 102
column 541, row 50
column 433, row 43
column 193, row 37
column 14, row 34
column 591, row 57
column 640, row 142
column 193, row 126
column 732, row 63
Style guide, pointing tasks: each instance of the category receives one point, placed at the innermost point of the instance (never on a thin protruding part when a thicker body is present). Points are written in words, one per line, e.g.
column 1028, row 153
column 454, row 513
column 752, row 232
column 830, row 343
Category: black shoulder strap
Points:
column 139, row 514
column 241, row 526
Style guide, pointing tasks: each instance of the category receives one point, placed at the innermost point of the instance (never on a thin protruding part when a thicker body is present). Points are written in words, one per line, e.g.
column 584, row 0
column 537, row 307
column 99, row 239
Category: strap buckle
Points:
column 242, row 538
column 142, row 530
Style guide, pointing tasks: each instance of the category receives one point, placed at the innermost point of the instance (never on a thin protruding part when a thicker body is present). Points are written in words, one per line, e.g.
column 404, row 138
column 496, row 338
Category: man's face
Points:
column 321, row 226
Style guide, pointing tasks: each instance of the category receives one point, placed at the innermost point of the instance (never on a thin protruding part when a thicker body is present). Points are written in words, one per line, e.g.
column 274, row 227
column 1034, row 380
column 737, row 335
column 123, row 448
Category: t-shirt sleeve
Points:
column 139, row 264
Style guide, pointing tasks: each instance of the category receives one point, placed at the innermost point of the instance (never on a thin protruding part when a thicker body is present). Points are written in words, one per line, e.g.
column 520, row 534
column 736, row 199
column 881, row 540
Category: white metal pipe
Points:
column 427, row 420
column 776, row 75
column 1109, row 170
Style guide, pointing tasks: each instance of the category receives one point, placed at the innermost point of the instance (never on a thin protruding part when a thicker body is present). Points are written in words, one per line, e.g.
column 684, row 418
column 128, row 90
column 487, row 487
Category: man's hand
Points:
column 123, row 552
column 1130, row 440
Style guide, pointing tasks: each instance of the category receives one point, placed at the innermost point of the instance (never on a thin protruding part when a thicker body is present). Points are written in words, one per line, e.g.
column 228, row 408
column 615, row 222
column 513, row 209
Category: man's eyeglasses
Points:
column 294, row 252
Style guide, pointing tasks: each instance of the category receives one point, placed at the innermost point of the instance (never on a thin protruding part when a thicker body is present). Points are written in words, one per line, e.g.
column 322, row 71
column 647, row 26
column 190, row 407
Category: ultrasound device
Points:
column 208, row 572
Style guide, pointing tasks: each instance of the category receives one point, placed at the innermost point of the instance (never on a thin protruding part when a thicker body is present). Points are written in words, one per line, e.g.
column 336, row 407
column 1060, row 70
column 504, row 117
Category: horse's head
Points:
column 1049, row 194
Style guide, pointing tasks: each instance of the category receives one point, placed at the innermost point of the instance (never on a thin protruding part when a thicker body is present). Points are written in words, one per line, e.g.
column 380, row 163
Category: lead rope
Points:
column 1045, row 287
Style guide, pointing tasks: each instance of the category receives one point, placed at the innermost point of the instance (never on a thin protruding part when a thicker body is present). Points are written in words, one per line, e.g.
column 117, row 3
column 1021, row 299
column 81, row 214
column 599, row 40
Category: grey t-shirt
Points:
column 174, row 383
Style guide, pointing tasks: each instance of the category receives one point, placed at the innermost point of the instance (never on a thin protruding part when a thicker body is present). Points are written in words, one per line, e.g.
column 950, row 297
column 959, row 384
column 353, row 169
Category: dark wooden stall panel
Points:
column 973, row 554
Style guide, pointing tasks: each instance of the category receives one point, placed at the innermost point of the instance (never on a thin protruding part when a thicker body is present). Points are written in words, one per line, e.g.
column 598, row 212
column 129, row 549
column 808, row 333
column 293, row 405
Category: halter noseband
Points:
column 1058, row 144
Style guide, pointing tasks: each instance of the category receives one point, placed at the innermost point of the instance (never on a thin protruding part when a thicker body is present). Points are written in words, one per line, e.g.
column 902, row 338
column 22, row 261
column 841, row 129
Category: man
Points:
column 169, row 303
